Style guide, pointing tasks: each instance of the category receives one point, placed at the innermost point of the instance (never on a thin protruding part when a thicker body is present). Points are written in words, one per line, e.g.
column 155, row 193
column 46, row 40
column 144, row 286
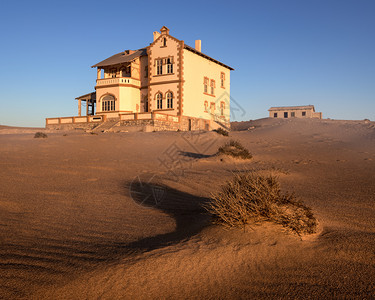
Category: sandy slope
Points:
column 72, row 226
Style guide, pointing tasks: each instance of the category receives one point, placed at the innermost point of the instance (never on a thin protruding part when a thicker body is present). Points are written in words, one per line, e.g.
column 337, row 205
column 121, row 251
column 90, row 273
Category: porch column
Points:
column 87, row 107
column 98, row 73
column 79, row 107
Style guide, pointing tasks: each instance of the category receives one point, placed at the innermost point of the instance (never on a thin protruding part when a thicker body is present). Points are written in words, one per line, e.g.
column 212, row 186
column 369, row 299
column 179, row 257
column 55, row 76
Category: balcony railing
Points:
column 116, row 81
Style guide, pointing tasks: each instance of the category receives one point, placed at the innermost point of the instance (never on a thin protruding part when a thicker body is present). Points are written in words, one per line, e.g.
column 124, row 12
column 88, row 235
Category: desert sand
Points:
column 79, row 220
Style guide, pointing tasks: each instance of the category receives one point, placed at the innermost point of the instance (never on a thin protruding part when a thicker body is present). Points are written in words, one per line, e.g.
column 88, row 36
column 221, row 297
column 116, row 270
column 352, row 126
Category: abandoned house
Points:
column 167, row 85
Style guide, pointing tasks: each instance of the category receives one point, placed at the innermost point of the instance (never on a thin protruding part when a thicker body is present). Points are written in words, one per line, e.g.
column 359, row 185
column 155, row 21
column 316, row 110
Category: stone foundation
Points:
column 145, row 125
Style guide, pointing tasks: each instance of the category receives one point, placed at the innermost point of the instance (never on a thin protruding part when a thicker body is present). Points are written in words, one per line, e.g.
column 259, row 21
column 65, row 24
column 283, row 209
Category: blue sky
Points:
column 284, row 52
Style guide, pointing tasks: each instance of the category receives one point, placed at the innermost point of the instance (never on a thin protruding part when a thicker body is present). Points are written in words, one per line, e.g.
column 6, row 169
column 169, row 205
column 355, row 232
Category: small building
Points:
column 167, row 85
column 284, row 112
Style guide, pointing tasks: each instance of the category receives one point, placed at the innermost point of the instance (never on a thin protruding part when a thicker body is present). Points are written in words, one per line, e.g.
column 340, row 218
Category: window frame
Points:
column 222, row 108
column 222, row 80
column 169, row 96
column 205, row 106
column 169, row 63
column 159, row 100
column 108, row 104
column 159, row 66
column 205, row 84
column 212, row 87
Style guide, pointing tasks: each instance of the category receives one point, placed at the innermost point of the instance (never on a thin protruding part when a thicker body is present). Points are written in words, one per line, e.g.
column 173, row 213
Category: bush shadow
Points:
column 184, row 208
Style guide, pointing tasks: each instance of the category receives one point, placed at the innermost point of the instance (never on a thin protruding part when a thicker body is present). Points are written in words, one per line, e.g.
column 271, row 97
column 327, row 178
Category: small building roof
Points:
column 303, row 107
column 122, row 57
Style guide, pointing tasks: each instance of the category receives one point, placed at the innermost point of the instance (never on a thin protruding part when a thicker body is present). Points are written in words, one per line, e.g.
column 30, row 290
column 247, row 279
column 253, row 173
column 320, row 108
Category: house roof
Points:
column 89, row 96
column 206, row 56
column 304, row 107
column 121, row 57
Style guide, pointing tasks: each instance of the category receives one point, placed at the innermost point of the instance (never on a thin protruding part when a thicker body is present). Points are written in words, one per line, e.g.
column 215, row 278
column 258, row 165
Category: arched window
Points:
column 169, row 100
column 108, row 103
column 159, row 101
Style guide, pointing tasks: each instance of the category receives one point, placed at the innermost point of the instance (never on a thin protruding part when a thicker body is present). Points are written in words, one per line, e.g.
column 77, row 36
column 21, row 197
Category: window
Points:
column 212, row 87
column 205, row 106
column 159, row 101
column 113, row 73
column 222, row 79
column 205, row 82
column 125, row 72
column 303, row 114
column 169, row 100
column 108, row 103
column 212, row 108
column 146, row 104
column 164, row 42
column 146, row 71
column 285, row 114
column 275, row 115
column 159, row 66
column 222, row 108
column 292, row 114
column 169, row 66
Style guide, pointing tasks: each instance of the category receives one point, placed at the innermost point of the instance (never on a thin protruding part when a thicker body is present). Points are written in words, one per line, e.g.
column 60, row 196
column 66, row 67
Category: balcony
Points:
column 118, row 81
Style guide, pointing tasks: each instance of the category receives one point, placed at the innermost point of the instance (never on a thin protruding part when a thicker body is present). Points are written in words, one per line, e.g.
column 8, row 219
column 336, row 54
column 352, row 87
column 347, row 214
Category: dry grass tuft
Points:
column 235, row 149
column 40, row 135
column 250, row 198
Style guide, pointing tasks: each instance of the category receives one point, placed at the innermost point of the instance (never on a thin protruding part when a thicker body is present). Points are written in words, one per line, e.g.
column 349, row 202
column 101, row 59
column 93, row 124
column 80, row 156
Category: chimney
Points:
column 198, row 45
column 156, row 35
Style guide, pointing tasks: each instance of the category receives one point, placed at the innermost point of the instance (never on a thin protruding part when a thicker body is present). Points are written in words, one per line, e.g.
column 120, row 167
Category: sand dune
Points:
column 78, row 220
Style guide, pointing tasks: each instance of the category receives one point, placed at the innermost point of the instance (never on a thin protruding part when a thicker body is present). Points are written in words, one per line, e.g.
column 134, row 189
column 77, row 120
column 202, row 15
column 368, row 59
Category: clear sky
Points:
column 284, row 52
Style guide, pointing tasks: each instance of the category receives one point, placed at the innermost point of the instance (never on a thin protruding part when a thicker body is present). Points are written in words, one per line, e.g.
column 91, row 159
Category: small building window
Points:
column 285, row 114
column 108, row 103
column 164, row 42
column 205, row 83
column 159, row 67
column 292, row 114
column 222, row 79
column 212, row 87
column 205, row 106
column 146, row 71
column 159, row 101
column 303, row 114
column 169, row 66
column 275, row 115
column 169, row 100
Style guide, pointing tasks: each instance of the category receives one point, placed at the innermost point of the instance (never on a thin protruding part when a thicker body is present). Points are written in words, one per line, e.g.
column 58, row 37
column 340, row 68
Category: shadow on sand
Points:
column 185, row 208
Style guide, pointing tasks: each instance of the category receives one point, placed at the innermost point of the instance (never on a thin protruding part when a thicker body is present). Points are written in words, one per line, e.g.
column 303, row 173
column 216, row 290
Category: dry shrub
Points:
column 250, row 198
column 222, row 131
column 40, row 135
column 235, row 149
